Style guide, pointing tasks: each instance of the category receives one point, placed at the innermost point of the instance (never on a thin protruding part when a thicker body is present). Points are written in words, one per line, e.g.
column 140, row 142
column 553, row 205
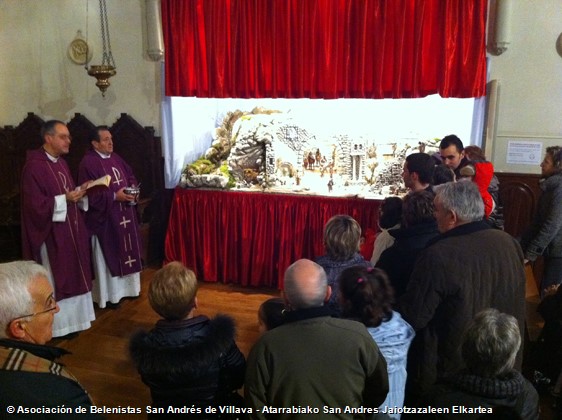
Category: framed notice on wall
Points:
column 521, row 154
column 524, row 152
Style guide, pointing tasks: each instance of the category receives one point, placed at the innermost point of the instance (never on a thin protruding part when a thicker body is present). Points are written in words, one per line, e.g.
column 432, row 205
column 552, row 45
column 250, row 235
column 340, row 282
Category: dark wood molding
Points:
column 519, row 194
column 136, row 144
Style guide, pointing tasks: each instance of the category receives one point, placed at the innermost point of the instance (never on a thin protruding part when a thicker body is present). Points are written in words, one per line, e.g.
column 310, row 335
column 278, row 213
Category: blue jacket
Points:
column 333, row 270
column 393, row 338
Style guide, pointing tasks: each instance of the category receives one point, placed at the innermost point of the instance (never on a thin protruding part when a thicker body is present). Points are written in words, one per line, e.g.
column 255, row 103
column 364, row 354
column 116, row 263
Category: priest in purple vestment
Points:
column 53, row 230
column 112, row 221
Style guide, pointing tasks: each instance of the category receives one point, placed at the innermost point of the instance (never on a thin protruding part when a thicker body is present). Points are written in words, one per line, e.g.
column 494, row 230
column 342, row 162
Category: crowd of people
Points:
column 435, row 319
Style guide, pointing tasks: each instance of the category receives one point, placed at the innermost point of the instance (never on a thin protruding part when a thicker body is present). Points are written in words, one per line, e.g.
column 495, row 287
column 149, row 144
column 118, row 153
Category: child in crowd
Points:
column 342, row 237
column 442, row 174
column 481, row 174
column 367, row 296
column 270, row 314
column 487, row 182
column 390, row 213
column 187, row 360
column 476, row 154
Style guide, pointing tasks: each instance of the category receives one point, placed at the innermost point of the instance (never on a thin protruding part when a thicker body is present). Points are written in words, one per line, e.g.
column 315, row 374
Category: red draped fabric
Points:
column 325, row 48
column 251, row 238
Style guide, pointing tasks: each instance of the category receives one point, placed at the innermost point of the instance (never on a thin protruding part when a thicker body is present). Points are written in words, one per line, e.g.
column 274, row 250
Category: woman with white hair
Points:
column 488, row 382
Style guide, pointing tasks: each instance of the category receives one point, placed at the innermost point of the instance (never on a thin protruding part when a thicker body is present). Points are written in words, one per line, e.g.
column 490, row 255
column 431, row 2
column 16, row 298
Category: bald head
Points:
column 306, row 285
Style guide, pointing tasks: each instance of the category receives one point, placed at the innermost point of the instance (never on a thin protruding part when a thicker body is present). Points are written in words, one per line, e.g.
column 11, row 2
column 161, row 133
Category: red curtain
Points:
column 325, row 48
column 251, row 238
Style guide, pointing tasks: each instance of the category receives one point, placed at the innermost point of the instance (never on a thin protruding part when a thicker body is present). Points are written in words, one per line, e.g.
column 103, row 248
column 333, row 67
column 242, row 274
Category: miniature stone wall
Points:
column 272, row 151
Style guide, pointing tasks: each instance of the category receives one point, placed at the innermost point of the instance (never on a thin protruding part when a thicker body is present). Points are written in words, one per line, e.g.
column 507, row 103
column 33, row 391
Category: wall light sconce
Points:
column 502, row 35
column 154, row 37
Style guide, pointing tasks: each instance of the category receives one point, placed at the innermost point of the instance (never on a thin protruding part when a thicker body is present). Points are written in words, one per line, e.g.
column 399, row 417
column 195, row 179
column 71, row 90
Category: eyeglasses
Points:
column 52, row 302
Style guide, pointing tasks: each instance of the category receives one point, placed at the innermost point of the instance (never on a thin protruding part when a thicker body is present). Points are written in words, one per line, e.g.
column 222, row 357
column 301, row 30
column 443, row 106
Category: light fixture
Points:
column 502, row 35
column 102, row 72
column 154, row 37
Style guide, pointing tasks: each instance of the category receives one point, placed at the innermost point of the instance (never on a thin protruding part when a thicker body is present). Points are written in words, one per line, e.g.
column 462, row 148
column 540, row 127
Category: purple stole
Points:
column 67, row 242
column 114, row 223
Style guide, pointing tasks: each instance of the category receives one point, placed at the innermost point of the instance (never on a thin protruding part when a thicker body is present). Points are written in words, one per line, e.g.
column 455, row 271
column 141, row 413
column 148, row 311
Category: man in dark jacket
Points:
column 29, row 376
column 451, row 149
column 468, row 268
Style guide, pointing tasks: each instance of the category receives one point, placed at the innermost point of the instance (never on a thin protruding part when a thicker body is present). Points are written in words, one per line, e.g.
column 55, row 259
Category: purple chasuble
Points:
column 68, row 245
column 115, row 223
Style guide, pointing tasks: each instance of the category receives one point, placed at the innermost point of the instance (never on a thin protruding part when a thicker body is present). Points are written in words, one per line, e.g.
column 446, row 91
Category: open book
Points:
column 102, row 182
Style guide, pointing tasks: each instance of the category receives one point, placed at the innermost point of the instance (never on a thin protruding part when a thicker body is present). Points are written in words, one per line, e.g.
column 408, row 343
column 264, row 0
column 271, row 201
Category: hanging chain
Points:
column 106, row 42
column 87, row 39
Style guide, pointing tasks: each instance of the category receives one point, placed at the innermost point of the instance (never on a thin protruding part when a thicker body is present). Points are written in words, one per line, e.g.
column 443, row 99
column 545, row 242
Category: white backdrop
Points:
column 189, row 123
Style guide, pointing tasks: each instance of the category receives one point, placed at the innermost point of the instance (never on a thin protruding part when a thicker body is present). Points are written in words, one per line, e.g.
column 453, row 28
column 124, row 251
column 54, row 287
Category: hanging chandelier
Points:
column 106, row 69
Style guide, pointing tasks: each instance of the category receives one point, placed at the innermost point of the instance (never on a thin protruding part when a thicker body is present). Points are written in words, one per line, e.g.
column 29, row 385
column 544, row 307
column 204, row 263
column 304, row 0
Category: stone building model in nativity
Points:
column 270, row 151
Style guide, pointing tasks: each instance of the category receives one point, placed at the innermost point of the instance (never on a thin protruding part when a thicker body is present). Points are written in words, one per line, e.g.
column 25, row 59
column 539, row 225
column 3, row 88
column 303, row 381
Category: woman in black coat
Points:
column 418, row 228
column 187, row 360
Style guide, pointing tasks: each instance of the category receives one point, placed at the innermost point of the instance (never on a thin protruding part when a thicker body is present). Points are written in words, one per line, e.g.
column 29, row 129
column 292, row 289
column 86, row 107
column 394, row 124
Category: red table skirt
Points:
column 250, row 238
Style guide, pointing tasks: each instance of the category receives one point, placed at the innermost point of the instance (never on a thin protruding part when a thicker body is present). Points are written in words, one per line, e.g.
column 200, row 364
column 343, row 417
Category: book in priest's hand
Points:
column 96, row 184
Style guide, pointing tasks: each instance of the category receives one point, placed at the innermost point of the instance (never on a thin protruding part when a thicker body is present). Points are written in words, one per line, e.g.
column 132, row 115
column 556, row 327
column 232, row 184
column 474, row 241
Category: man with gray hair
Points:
column 29, row 376
column 467, row 268
column 314, row 363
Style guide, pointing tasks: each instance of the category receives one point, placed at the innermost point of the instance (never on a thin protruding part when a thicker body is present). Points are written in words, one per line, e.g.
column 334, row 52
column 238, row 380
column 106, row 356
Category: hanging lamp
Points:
column 106, row 69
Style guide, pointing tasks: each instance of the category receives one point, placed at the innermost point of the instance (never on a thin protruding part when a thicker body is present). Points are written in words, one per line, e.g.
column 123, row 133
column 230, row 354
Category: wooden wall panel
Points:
column 136, row 144
column 79, row 127
column 519, row 195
